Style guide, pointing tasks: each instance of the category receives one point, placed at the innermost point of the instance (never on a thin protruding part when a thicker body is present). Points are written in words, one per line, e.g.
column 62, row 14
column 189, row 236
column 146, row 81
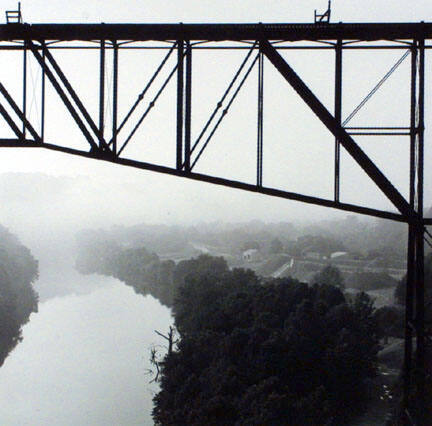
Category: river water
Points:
column 84, row 357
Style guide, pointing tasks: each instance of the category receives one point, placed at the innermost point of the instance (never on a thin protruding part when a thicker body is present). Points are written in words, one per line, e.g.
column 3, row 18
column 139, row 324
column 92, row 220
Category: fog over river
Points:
column 84, row 356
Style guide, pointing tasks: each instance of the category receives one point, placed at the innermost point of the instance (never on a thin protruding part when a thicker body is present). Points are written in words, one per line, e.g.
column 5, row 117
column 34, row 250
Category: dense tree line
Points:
column 329, row 275
column 401, row 288
column 277, row 353
column 18, row 270
column 140, row 268
column 137, row 267
column 251, row 350
column 318, row 243
column 400, row 292
column 365, row 281
column 382, row 239
column 400, row 298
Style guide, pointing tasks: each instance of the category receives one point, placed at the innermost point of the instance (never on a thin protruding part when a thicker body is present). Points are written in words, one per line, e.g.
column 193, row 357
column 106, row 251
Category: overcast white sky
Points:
column 222, row 10
column 297, row 149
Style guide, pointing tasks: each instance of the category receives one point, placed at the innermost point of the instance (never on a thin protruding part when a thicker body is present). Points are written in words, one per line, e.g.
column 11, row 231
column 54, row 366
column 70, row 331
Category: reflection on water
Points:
column 84, row 359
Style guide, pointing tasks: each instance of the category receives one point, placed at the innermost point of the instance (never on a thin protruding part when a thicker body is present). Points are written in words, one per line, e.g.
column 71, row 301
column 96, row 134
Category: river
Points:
column 84, row 357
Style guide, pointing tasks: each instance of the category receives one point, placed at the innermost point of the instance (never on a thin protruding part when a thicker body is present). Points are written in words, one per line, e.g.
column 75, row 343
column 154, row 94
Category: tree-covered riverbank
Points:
column 18, row 299
column 273, row 351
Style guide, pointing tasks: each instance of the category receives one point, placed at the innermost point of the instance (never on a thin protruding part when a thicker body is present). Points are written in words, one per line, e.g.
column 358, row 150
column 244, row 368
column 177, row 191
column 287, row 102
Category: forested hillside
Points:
column 18, row 271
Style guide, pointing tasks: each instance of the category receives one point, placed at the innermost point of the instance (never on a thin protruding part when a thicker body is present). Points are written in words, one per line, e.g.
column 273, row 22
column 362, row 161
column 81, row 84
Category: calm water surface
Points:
column 84, row 359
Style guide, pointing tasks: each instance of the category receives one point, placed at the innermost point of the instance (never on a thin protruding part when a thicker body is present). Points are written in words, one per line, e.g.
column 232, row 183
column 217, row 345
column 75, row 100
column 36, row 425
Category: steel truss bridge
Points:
column 259, row 42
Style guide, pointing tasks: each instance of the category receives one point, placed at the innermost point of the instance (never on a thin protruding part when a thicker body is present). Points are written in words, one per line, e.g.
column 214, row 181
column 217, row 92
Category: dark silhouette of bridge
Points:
column 259, row 42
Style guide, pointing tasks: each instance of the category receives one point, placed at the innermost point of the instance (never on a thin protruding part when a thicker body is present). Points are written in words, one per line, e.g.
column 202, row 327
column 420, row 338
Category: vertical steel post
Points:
column 42, row 131
column 409, row 314
column 24, row 87
column 101, row 93
column 411, row 276
column 338, row 115
column 115, row 96
column 419, row 289
column 180, row 77
column 413, row 125
column 260, row 118
column 419, row 322
column 188, row 106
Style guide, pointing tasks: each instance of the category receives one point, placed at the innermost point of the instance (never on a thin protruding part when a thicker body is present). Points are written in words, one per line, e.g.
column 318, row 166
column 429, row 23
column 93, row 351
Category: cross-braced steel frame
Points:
column 260, row 42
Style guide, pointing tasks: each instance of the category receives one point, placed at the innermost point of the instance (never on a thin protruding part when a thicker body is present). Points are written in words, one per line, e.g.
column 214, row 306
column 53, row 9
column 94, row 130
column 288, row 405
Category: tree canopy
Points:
column 400, row 290
column 279, row 353
column 253, row 351
column 329, row 275
column 18, row 270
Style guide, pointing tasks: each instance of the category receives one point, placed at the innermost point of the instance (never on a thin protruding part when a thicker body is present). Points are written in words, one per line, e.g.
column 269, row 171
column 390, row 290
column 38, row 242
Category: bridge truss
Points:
column 260, row 43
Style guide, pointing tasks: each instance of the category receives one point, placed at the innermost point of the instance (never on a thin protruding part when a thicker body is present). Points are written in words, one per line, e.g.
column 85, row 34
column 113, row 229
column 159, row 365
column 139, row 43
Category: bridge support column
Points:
column 188, row 107
column 115, row 97
column 260, row 120
column 101, row 93
column 180, row 84
column 414, row 367
column 338, row 116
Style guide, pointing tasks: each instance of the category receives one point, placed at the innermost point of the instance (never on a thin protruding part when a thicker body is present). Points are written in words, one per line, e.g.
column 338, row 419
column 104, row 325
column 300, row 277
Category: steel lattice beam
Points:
column 217, row 32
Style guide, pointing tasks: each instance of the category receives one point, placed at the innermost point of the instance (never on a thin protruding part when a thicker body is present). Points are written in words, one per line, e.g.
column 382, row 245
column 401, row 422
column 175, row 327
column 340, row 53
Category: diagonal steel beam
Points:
column 225, row 111
column 149, row 108
column 222, row 99
column 19, row 113
column 143, row 92
column 98, row 132
column 63, row 96
column 338, row 131
column 11, row 122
